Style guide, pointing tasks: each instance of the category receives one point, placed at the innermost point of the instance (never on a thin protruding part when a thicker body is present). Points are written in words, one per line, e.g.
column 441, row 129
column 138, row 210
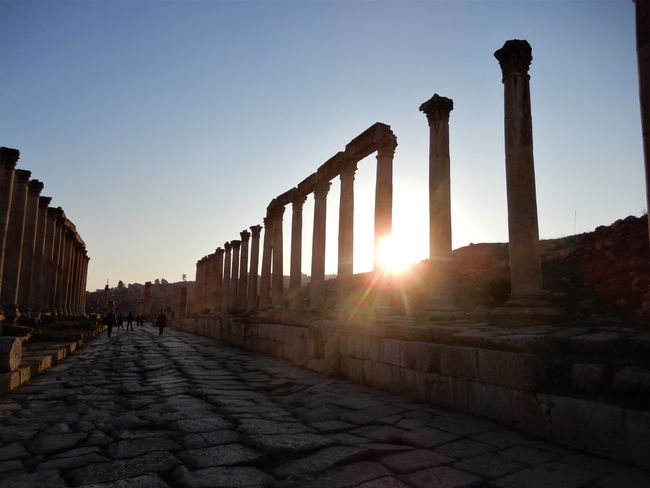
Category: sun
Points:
column 391, row 256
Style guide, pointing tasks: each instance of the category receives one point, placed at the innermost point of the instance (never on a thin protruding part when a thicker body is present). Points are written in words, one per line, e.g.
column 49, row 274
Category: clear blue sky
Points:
column 165, row 128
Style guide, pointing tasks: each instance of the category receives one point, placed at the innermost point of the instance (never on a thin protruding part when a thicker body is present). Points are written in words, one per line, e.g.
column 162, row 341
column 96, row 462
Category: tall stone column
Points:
column 67, row 269
column 226, row 277
column 437, row 110
column 210, row 282
column 234, row 275
column 384, row 194
column 8, row 159
column 346, row 232
column 643, row 58
column 218, row 292
column 196, row 305
column 182, row 306
column 252, row 275
column 84, row 283
column 58, row 257
column 277, row 285
column 243, row 270
column 267, row 251
column 37, row 303
column 317, row 284
column 76, row 284
column 295, row 273
column 146, row 300
column 525, row 258
column 14, row 245
column 46, row 275
column 34, row 188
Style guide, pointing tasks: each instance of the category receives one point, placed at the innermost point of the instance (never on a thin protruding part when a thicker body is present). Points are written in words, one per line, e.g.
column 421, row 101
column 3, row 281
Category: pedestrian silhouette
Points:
column 129, row 321
column 161, row 322
column 120, row 321
column 109, row 321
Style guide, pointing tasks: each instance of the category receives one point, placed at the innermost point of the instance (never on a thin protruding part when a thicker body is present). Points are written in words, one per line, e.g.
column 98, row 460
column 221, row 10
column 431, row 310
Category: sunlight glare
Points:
column 392, row 256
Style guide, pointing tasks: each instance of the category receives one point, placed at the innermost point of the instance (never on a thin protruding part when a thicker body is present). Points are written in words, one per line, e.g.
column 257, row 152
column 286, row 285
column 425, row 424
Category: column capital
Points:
column 437, row 108
column 514, row 57
column 276, row 212
column 54, row 212
column 255, row 230
column 227, row 246
column 245, row 235
column 44, row 202
column 22, row 176
column 298, row 200
column 35, row 186
column 322, row 188
column 386, row 144
column 9, row 157
column 348, row 170
column 219, row 252
column 235, row 244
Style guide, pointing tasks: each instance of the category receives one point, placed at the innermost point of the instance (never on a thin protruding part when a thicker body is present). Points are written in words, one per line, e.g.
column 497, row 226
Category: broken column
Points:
column 243, row 270
column 317, row 285
column 440, row 298
column 14, row 245
column 295, row 272
column 526, row 291
column 252, row 275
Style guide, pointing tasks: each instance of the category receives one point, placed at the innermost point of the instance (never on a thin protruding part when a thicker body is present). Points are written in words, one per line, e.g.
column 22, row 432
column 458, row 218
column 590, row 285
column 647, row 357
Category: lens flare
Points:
column 391, row 256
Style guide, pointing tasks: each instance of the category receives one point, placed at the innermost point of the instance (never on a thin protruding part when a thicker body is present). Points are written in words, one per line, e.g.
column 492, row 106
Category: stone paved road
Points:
column 140, row 410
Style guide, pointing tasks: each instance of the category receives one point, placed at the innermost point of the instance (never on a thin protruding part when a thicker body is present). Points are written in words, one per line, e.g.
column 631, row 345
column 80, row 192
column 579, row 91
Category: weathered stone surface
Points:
column 51, row 479
column 230, row 477
column 594, row 342
column 71, row 462
column 426, row 437
column 133, row 448
column 13, row 451
column 145, row 481
column 460, row 362
column 291, row 442
column 464, row 448
column 637, row 437
column 348, row 475
column 58, row 442
column 632, row 379
column 11, row 351
column 441, row 477
column 318, row 462
column 626, row 478
column 207, row 424
column 216, row 438
column 557, row 475
column 587, row 376
column 225, row 455
column 406, row 462
column 97, row 473
column 387, row 482
column 489, row 465
column 528, row 455
column 509, row 369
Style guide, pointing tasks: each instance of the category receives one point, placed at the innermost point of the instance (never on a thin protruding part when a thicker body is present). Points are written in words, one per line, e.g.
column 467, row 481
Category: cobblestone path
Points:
column 140, row 410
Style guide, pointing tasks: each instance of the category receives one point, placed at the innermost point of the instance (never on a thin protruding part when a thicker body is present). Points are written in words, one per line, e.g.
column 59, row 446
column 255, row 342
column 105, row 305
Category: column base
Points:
column 521, row 310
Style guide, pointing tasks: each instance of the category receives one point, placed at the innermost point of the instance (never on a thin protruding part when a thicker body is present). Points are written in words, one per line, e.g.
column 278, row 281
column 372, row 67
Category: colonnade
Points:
column 43, row 260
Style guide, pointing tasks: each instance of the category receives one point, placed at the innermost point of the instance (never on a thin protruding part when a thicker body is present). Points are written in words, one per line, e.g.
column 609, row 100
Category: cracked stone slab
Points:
column 133, row 448
column 51, row 479
column 234, row 477
column 405, row 462
column 294, row 442
column 319, row 461
column 441, row 477
column 208, row 439
column 225, row 455
column 489, row 465
column 200, row 425
column 557, row 475
column 145, row 481
column 98, row 473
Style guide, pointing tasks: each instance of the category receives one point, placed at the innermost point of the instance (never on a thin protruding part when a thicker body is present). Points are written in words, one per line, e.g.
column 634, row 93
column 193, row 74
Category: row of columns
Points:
column 43, row 260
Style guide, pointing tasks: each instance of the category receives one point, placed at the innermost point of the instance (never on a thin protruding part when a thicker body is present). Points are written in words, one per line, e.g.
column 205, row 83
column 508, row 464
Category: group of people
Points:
column 111, row 320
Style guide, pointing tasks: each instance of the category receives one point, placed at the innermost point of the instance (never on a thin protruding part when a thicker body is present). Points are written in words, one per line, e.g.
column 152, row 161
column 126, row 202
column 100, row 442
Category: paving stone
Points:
column 387, row 482
column 625, row 478
column 591, row 463
column 555, row 474
column 44, row 444
column 528, row 455
column 293, row 442
column 371, row 415
column 380, row 434
column 268, row 427
column 71, row 462
column 159, row 461
column 13, row 451
column 380, row 449
column 200, row 425
column 409, row 461
column 319, row 461
column 328, row 426
column 489, row 465
column 500, row 438
column 145, row 481
column 425, row 437
column 49, row 479
column 132, row 448
column 80, row 451
column 348, row 475
column 465, row 425
column 464, row 448
column 226, row 455
column 216, row 438
column 441, row 477
column 13, row 465
column 227, row 477
column 139, row 434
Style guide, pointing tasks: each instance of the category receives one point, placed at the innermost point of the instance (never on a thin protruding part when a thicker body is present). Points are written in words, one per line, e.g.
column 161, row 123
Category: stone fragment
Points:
column 557, row 475
column 441, row 477
column 133, row 448
column 225, row 455
column 230, row 477
column 406, row 462
column 489, row 465
column 11, row 351
column 159, row 461
column 318, row 462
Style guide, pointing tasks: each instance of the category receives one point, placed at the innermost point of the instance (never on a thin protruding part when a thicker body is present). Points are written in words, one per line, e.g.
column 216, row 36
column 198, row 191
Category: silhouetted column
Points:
column 146, row 300
column 437, row 110
column 226, row 277
column 196, row 305
column 295, row 273
column 277, row 286
column 84, row 283
column 69, row 305
column 37, row 303
column 267, row 251
column 346, row 231
column 67, row 262
column 218, row 292
column 317, row 285
column 243, row 270
column 211, row 282
column 59, row 229
column 643, row 58
column 234, row 275
column 76, row 288
column 46, row 274
column 34, row 188
column 8, row 159
column 525, row 260
column 252, row 275
column 182, row 306
column 14, row 245
column 384, row 194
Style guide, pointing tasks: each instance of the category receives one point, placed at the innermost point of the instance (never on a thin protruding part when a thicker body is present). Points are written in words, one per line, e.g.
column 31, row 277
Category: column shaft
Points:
column 643, row 57
column 8, row 159
column 254, row 267
column 234, row 275
column 277, row 286
column 346, row 232
column 317, row 285
column 383, row 196
column 243, row 271
column 295, row 274
column 29, row 245
column 218, row 291
column 267, row 250
column 226, row 277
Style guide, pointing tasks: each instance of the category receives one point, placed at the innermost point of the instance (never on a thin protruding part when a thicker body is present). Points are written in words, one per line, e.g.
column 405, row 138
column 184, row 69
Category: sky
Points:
column 164, row 128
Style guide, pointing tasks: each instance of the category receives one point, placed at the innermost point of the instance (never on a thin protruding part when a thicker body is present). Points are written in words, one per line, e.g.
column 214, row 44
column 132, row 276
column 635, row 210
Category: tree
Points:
column 163, row 281
column 157, row 282
column 120, row 285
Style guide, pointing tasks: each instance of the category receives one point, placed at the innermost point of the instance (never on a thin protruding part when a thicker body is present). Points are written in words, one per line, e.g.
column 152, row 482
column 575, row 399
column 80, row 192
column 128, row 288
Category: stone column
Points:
column 46, row 274
column 252, row 275
column 37, row 303
column 14, row 244
column 34, row 189
column 234, row 275
column 317, row 285
column 437, row 110
column 69, row 303
column 295, row 274
column 267, row 250
column 384, row 194
column 146, row 300
column 182, row 306
column 243, row 270
column 643, row 59
column 277, row 286
column 346, row 232
column 196, row 306
column 226, row 277
column 525, row 259
column 210, row 265
column 67, row 268
column 84, row 283
column 218, row 291
column 59, row 225
column 8, row 159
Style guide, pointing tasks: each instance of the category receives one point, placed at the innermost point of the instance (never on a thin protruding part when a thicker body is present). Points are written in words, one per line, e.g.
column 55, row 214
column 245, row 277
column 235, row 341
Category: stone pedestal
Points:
column 346, row 234
column 295, row 274
column 254, row 267
column 317, row 284
column 528, row 302
column 243, row 271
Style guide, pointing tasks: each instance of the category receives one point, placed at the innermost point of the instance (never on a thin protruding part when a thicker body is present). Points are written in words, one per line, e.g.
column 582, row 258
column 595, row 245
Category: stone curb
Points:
column 35, row 361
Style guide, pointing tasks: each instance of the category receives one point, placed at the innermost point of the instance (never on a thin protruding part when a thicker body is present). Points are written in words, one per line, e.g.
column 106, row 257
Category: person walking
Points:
column 109, row 321
column 129, row 321
column 161, row 322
